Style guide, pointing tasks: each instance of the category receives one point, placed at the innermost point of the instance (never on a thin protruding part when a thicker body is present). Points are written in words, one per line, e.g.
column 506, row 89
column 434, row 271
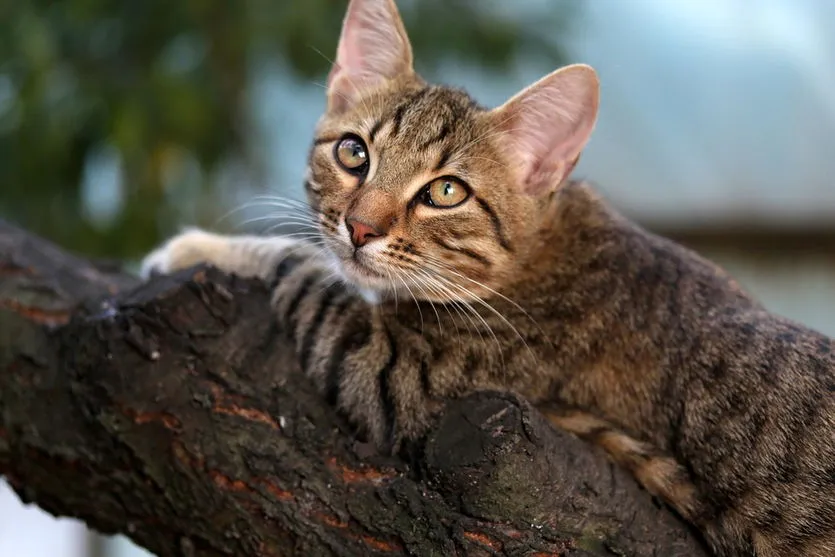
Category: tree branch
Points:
column 174, row 412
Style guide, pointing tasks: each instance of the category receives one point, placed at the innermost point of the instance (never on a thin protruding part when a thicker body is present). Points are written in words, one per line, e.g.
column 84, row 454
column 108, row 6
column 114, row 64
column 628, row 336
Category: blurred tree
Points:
column 151, row 95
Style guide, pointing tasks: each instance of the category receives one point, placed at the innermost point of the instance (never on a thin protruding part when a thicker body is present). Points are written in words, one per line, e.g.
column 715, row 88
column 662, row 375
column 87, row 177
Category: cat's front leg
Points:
column 248, row 256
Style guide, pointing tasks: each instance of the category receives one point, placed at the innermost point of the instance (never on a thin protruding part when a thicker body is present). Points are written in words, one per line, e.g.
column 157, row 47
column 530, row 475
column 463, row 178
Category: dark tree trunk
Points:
column 173, row 412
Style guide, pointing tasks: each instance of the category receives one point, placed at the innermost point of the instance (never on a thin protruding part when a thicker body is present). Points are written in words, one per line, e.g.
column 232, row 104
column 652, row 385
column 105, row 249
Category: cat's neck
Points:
column 585, row 248
column 575, row 229
column 617, row 301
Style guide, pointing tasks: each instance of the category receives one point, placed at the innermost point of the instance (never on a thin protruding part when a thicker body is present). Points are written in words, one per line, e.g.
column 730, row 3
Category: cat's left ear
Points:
column 548, row 124
column 373, row 48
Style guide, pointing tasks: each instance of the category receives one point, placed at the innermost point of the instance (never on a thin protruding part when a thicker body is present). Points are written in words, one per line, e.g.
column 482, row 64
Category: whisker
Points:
column 431, row 304
column 428, row 282
column 258, row 200
column 393, row 288
column 274, row 216
column 450, row 298
column 495, row 312
column 437, row 265
column 409, row 290
column 308, row 237
column 299, row 224
column 276, row 197
column 461, row 307
column 278, row 209
column 238, row 209
column 284, row 214
column 522, row 310
column 282, row 205
column 469, row 307
column 292, row 249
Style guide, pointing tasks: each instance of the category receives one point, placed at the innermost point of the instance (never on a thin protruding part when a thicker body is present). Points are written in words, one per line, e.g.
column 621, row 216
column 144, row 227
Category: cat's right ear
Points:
column 548, row 124
column 373, row 48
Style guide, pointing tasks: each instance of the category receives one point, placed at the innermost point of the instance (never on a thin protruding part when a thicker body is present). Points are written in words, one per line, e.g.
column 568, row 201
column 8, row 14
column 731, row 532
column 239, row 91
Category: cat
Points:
column 468, row 259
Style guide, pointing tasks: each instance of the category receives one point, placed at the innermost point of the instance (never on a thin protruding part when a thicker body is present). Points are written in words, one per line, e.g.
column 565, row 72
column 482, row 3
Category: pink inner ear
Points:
column 549, row 124
column 373, row 48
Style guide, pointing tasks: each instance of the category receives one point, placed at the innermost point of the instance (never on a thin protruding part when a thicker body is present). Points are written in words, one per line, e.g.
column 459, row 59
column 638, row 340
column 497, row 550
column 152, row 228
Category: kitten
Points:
column 526, row 281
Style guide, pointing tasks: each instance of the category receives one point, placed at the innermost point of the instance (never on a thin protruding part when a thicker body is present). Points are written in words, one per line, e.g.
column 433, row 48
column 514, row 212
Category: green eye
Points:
column 351, row 154
column 445, row 192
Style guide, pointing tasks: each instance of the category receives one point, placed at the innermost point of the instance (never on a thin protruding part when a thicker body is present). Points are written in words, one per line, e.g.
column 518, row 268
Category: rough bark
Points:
column 173, row 412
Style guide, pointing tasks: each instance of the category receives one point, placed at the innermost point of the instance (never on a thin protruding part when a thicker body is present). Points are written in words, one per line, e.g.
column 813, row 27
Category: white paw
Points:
column 189, row 248
column 156, row 262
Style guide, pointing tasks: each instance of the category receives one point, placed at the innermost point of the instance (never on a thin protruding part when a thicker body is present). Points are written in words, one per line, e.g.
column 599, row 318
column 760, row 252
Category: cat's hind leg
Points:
column 659, row 473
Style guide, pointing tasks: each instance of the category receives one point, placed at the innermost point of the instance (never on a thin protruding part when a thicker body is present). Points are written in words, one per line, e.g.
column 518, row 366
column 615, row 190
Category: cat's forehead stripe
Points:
column 400, row 112
column 439, row 137
column 394, row 117
column 375, row 129
column 425, row 117
column 446, row 154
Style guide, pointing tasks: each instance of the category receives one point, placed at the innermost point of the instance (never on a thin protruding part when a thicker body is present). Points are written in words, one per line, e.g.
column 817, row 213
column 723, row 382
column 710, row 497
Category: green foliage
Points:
column 160, row 87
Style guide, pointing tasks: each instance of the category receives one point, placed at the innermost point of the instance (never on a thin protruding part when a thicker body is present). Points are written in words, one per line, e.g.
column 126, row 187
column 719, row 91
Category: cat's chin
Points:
column 364, row 278
column 374, row 285
column 371, row 284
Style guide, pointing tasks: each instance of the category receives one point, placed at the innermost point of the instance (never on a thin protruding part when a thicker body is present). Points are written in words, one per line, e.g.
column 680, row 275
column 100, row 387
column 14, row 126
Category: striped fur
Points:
column 626, row 339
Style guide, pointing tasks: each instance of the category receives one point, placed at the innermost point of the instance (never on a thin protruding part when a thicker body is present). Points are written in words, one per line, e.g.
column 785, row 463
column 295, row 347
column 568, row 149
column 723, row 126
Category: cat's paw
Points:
column 189, row 248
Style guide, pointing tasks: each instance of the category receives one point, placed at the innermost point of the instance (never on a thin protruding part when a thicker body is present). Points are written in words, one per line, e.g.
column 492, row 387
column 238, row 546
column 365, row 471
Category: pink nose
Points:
column 361, row 232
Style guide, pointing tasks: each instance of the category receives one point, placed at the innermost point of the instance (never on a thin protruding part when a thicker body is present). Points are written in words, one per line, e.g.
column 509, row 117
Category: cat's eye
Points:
column 352, row 155
column 444, row 192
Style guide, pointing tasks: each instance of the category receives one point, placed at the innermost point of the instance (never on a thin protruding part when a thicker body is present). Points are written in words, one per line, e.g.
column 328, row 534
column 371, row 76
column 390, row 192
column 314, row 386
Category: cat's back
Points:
column 744, row 396
column 669, row 288
column 751, row 395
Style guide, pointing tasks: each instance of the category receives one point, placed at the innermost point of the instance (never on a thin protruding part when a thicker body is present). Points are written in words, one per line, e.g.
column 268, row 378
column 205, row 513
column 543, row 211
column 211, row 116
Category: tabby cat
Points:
column 520, row 279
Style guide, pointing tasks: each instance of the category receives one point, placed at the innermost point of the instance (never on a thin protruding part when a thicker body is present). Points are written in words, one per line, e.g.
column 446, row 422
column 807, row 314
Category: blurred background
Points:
column 122, row 121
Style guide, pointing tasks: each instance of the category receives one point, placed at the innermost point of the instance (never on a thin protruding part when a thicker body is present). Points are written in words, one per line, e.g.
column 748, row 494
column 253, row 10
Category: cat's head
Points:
column 418, row 187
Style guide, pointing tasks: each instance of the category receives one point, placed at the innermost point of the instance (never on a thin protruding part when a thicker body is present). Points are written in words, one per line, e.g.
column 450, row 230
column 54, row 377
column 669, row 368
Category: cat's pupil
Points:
column 449, row 189
column 353, row 152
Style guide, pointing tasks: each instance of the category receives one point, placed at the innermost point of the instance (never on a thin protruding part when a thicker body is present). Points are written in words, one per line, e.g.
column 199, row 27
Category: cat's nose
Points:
column 362, row 232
